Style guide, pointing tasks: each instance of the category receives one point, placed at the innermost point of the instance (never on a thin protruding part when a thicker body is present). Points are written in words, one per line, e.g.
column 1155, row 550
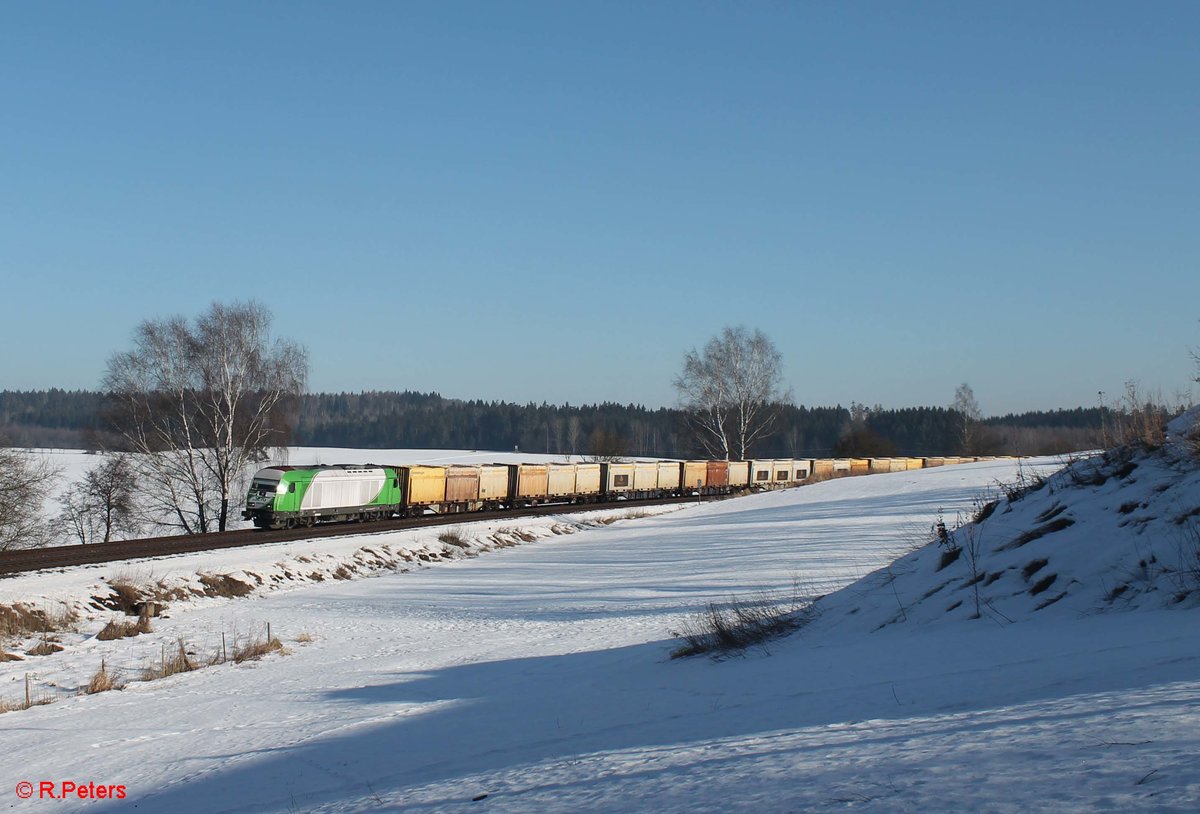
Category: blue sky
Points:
column 555, row 201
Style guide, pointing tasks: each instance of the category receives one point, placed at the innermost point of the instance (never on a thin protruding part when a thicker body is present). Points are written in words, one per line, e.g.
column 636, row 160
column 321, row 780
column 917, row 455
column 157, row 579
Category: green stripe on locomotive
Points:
column 285, row 496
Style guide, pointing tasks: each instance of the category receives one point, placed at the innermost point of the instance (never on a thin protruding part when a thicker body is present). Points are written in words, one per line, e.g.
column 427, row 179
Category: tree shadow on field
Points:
column 497, row 716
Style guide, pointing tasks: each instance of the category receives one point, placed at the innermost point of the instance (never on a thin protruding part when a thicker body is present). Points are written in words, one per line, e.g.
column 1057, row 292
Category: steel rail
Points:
column 37, row 559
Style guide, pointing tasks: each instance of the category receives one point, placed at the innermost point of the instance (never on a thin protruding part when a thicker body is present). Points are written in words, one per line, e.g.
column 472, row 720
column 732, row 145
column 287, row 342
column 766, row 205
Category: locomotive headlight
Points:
column 281, row 488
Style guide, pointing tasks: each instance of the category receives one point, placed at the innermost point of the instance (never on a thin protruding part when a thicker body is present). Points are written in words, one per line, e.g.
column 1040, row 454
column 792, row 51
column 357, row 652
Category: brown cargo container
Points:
column 717, row 476
column 822, row 467
column 934, row 462
column 462, row 484
column 915, row 463
column 859, row 466
column 560, row 480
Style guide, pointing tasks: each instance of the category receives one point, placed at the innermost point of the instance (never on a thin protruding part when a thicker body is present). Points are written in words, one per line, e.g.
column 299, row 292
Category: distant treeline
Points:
column 382, row 420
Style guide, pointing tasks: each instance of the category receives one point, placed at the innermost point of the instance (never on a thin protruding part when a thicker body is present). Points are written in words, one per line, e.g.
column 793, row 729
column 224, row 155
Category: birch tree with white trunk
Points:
column 731, row 391
column 199, row 403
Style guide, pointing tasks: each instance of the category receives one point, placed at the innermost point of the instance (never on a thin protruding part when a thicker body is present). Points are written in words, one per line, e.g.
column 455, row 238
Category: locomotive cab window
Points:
column 291, row 487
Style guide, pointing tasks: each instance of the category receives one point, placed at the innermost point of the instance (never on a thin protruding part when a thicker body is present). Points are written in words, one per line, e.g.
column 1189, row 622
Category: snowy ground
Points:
column 539, row 675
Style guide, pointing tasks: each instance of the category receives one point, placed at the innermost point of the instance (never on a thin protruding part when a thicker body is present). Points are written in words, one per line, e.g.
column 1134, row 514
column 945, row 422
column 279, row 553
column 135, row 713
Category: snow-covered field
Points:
column 540, row 674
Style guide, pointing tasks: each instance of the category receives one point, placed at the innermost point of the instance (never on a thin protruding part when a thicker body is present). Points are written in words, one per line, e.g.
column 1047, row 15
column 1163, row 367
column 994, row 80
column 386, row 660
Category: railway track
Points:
column 37, row 559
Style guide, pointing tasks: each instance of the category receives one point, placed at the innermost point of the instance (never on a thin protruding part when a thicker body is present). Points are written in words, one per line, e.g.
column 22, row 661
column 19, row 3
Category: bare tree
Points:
column 607, row 446
column 731, row 391
column 102, row 505
column 201, row 402
column 25, row 480
column 970, row 418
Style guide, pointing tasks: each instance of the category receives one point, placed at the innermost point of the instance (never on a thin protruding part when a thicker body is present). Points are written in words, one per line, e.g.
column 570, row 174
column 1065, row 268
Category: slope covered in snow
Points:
column 539, row 677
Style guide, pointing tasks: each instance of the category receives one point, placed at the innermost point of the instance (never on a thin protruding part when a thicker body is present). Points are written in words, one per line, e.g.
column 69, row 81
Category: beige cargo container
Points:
column 761, row 472
column 424, row 485
column 587, row 479
column 822, row 467
column 560, row 480
column 781, row 472
column 695, row 475
column 879, row 464
column 915, row 463
column 669, row 474
column 532, row 482
column 494, row 480
column 898, row 464
column 842, row 466
column 934, row 462
column 618, row 478
column 645, row 476
column 462, row 484
column 802, row 468
column 859, row 466
column 739, row 474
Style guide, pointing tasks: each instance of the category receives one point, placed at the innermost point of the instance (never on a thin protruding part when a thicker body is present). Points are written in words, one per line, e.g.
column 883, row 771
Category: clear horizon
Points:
column 555, row 202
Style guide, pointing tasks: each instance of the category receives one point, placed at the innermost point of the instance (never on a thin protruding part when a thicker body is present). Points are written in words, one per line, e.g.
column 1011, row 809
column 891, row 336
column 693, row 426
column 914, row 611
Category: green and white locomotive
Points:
column 290, row 496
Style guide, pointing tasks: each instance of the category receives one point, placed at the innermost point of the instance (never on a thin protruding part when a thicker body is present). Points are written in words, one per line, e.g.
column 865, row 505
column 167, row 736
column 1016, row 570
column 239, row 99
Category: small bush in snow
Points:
column 721, row 629
column 453, row 537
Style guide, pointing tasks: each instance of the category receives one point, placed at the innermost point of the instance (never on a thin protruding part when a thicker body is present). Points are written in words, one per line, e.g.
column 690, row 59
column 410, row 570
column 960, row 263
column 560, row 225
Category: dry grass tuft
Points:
column 305, row 638
column 22, row 620
column 125, row 630
column 103, row 681
column 743, row 621
column 126, row 597
column 177, row 661
column 454, row 537
column 255, row 648
column 224, row 585
column 10, row 657
column 44, row 648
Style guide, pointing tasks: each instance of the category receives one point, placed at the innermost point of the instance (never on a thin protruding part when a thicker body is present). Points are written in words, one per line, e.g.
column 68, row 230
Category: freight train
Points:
column 292, row 496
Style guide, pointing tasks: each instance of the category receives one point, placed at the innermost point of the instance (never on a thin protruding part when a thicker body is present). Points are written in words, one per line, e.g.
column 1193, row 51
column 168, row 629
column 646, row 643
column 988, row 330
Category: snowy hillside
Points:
column 536, row 676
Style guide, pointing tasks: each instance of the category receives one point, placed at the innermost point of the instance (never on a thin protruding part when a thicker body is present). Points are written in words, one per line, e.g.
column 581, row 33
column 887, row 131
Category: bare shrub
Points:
column 1026, row 482
column 722, row 629
column 1136, row 421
